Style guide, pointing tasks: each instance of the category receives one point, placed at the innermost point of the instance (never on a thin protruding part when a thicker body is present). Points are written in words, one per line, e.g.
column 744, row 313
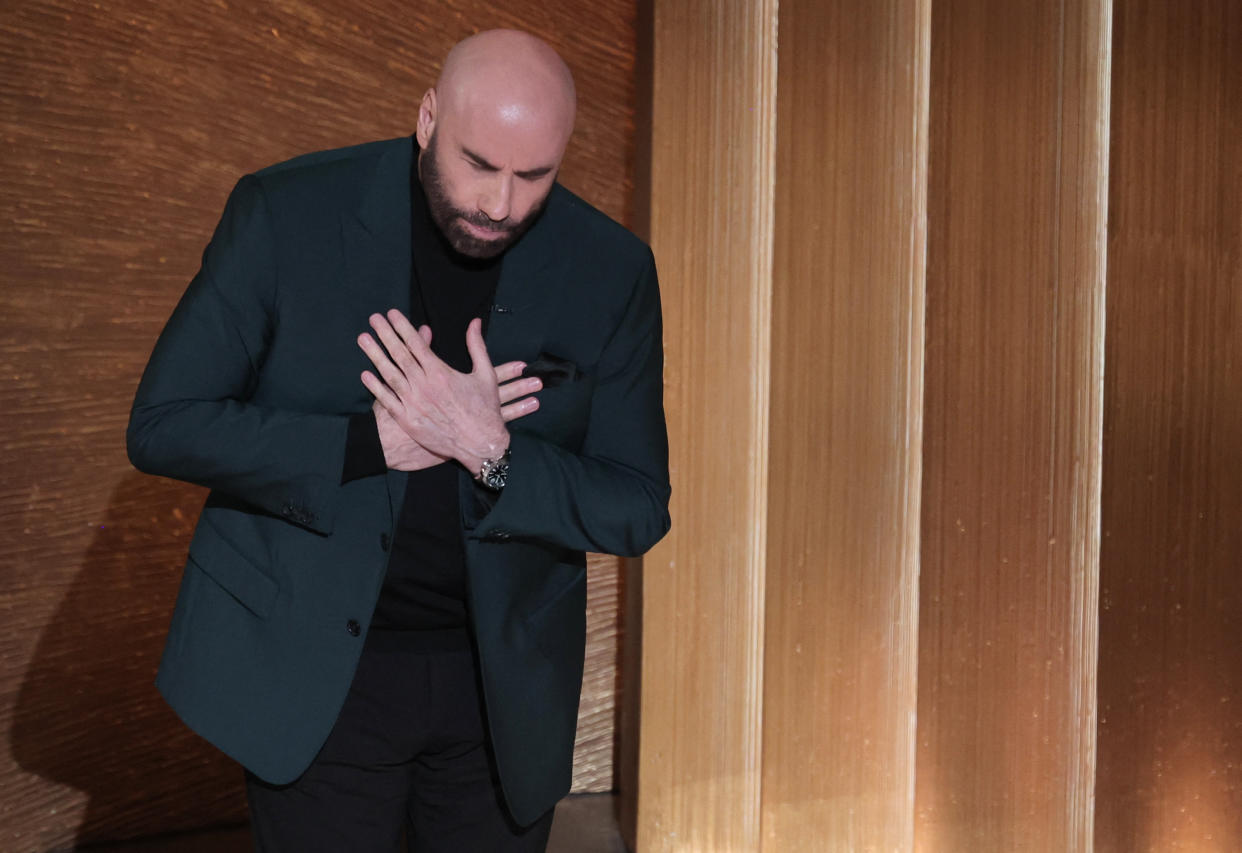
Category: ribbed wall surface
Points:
column 124, row 126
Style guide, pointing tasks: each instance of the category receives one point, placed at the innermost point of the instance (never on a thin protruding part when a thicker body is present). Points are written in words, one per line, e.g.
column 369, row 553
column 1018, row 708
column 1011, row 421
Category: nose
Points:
column 497, row 198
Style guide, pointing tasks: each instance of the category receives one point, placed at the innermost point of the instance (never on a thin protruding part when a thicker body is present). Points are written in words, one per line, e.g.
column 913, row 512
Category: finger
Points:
column 509, row 370
column 424, row 332
column 522, row 407
column 519, row 388
column 479, row 359
column 392, row 374
column 398, row 352
column 383, row 394
column 413, row 338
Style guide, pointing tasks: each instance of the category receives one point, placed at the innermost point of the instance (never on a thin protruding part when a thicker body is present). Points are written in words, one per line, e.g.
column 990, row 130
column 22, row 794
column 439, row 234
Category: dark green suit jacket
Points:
column 248, row 393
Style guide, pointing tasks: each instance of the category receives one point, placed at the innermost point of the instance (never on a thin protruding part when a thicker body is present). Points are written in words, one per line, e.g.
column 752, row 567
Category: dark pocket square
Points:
column 552, row 370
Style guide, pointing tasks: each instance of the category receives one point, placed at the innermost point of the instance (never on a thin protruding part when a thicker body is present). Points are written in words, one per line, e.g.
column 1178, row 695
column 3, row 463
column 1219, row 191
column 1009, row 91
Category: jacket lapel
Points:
column 377, row 253
column 377, row 234
column 532, row 275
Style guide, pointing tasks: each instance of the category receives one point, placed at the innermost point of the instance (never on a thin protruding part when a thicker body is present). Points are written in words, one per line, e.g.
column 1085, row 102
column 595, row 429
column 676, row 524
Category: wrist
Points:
column 500, row 446
column 493, row 449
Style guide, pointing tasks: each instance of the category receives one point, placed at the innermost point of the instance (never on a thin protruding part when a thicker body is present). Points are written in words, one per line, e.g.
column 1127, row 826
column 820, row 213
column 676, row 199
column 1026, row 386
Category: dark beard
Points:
column 449, row 219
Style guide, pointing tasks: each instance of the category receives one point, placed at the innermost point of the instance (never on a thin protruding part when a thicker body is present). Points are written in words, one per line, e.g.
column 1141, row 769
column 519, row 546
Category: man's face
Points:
column 473, row 232
column 487, row 173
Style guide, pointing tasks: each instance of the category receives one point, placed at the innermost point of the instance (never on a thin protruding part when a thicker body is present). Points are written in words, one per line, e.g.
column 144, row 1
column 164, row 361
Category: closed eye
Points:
column 534, row 174
column 482, row 165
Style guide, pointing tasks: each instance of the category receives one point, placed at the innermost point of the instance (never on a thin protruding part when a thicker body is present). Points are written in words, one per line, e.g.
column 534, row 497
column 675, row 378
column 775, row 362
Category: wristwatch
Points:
column 493, row 473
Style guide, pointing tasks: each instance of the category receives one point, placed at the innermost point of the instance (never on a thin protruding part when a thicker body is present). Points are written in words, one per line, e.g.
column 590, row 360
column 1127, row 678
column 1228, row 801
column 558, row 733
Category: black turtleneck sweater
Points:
column 425, row 587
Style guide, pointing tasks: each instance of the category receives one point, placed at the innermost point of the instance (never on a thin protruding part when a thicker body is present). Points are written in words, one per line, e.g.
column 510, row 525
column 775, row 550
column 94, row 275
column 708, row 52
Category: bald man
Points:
column 421, row 380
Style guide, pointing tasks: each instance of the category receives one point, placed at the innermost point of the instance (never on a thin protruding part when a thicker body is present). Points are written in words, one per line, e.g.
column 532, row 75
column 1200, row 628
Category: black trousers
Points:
column 406, row 767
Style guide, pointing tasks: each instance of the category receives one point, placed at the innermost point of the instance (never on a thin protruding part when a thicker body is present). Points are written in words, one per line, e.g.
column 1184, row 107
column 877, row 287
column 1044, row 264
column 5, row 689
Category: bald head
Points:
column 511, row 74
column 493, row 132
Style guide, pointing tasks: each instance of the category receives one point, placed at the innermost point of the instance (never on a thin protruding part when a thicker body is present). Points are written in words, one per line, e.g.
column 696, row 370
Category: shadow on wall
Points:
column 88, row 715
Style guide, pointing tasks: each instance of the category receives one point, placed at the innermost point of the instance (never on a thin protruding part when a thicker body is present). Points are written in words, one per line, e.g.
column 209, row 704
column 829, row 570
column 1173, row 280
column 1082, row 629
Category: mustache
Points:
column 482, row 220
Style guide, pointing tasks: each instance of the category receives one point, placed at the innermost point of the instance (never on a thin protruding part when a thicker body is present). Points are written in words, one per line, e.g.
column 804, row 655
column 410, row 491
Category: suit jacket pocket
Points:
column 559, row 625
column 232, row 570
column 553, row 370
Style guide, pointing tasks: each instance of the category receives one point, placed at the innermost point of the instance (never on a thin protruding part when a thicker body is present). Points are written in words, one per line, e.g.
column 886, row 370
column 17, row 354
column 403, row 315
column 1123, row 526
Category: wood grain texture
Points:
column 1170, row 735
column 713, row 122
column 841, row 600
column 124, row 127
column 1012, row 435
column 595, row 747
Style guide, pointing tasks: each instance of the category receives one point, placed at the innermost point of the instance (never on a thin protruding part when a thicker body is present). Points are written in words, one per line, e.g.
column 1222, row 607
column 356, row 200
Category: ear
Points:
column 426, row 119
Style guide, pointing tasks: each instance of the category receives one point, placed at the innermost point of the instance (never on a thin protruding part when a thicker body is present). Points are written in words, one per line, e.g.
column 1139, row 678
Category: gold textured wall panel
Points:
column 1080, row 536
column 1170, row 736
column 124, row 126
column 846, row 420
column 1014, row 369
column 711, row 157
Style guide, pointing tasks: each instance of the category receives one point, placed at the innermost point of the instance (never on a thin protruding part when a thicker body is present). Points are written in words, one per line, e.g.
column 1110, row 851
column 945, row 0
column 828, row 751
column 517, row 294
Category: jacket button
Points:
column 384, row 541
column 353, row 627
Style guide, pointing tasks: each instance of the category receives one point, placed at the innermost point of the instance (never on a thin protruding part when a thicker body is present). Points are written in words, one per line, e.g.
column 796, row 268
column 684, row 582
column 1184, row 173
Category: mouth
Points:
column 482, row 232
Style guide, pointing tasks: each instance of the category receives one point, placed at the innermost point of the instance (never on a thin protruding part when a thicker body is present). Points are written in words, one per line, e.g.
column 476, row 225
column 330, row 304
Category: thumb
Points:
column 479, row 359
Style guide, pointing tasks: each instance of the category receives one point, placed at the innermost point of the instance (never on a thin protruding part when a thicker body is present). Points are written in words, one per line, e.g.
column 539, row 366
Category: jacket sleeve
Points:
column 612, row 496
column 192, row 418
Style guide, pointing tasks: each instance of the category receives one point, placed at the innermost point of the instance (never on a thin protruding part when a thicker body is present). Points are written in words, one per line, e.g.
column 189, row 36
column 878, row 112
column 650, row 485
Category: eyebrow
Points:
column 528, row 174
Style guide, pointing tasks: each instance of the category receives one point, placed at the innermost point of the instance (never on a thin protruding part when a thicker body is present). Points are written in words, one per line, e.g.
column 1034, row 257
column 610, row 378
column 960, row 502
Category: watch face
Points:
column 496, row 472
column 495, row 478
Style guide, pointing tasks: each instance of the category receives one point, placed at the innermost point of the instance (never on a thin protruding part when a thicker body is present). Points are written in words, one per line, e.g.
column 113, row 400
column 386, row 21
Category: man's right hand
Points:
column 402, row 453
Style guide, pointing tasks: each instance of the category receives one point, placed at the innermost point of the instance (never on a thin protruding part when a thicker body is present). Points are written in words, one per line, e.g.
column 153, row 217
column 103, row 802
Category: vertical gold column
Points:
column 1171, row 562
column 711, row 229
column 1012, row 456
column 846, row 421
